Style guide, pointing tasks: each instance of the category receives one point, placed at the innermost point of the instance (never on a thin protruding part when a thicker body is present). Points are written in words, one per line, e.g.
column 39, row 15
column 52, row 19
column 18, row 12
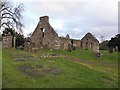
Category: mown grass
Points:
column 75, row 74
column 84, row 54
column 0, row 68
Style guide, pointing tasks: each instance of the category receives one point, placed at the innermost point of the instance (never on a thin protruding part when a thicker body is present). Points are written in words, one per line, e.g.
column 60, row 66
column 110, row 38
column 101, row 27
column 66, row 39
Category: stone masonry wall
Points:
column 90, row 42
column 7, row 41
column 44, row 36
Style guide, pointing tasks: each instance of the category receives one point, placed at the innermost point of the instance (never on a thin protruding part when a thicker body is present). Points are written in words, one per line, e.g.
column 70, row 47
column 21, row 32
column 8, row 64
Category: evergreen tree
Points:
column 114, row 42
column 19, row 37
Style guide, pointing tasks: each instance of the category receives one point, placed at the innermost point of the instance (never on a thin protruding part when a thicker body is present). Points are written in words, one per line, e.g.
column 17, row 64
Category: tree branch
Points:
column 11, row 15
column 7, row 14
column 8, row 24
column 7, row 10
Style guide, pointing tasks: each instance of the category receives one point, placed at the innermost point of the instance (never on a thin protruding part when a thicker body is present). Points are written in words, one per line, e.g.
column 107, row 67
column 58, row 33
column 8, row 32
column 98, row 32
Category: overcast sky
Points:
column 75, row 17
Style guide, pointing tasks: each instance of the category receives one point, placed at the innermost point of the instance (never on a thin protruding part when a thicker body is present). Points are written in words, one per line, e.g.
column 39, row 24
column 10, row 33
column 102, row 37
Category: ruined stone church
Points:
column 44, row 36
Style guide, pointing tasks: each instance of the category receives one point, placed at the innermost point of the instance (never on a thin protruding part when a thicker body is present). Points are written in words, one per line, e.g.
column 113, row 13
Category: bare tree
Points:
column 102, row 38
column 10, row 17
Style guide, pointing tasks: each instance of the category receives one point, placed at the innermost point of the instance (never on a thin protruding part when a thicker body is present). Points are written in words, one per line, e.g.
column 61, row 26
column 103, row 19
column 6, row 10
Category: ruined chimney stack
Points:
column 44, row 19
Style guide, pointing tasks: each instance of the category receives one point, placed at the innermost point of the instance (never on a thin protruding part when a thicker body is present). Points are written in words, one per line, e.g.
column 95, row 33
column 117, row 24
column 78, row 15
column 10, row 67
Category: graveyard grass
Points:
column 80, row 69
column 0, row 68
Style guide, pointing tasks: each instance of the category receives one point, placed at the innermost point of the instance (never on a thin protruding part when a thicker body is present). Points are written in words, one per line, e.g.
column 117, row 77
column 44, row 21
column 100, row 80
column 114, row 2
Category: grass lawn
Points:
column 79, row 69
column 0, row 67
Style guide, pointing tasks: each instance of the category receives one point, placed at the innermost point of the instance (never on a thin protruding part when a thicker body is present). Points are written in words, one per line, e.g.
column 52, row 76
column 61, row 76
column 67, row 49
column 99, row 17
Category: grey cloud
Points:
column 75, row 18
